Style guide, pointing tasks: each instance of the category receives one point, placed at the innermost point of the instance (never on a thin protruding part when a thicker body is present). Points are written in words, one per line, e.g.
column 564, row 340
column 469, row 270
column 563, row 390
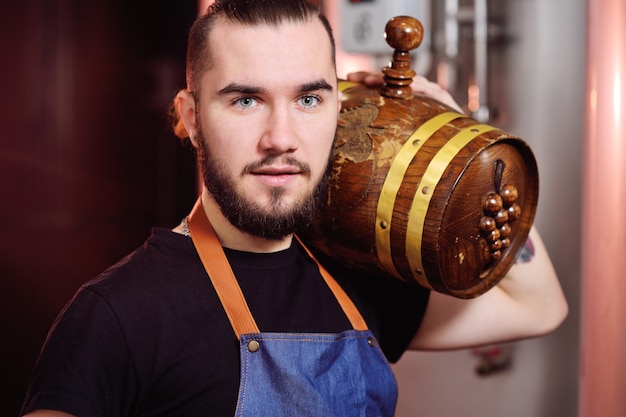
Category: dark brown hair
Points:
column 244, row 12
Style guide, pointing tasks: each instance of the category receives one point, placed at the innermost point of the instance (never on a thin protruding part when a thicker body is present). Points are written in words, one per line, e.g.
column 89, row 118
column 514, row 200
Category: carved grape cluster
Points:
column 499, row 210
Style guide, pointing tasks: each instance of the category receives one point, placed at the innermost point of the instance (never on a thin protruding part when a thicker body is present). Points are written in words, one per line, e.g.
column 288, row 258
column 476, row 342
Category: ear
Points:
column 339, row 100
column 186, row 109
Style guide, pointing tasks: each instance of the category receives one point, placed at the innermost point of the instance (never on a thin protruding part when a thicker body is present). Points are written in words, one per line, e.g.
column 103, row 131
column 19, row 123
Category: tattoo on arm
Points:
column 527, row 253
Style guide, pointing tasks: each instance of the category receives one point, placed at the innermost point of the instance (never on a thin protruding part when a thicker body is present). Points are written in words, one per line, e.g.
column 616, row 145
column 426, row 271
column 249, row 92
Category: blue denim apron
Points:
column 293, row 374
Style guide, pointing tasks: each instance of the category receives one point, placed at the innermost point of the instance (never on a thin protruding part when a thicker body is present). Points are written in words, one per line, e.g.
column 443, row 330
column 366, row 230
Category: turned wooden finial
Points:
column 402, row 33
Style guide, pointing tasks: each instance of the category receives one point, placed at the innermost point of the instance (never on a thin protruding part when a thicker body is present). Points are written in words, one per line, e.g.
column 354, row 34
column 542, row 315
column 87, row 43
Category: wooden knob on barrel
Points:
column 419, row 193
column 403, row 34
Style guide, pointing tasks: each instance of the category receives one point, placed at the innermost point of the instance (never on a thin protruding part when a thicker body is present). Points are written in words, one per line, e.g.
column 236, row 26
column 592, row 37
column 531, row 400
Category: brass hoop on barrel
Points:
column 424, row 194
column 393, row 182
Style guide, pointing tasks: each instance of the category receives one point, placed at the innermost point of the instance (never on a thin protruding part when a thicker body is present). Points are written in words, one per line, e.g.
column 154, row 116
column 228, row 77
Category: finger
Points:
column 421, row 85
column 365, row 77
column 357, row 76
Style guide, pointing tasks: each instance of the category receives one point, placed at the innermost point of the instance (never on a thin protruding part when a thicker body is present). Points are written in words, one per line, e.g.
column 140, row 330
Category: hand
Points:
column 420, row 85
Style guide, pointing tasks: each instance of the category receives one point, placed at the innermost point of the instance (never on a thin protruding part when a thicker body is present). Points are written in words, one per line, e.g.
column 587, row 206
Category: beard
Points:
column 274, row 222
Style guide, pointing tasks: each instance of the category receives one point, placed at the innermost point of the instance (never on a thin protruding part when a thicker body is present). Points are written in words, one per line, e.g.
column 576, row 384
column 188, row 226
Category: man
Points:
column 228, row 313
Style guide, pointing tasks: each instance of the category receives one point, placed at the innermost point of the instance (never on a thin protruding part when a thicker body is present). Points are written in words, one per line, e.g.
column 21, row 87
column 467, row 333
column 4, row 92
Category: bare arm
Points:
column 528, row 302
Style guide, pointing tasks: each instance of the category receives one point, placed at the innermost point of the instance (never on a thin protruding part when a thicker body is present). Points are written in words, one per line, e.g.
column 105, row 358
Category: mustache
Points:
column 269, row 160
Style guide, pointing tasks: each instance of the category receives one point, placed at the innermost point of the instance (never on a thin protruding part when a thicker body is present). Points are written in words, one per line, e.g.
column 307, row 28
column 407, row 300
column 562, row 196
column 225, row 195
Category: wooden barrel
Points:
column 424, row 194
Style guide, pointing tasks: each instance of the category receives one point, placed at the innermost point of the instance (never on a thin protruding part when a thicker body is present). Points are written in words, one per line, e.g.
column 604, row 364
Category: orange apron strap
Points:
column 223, row 279
column 221, row 274
column 350, row 310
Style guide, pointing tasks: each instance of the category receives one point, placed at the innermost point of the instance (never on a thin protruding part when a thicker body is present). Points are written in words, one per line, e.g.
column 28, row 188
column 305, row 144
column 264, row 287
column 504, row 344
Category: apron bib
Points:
column 298, row 374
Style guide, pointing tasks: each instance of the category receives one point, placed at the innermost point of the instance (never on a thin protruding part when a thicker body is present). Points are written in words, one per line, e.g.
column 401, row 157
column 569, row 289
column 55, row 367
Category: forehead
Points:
column 289, row 51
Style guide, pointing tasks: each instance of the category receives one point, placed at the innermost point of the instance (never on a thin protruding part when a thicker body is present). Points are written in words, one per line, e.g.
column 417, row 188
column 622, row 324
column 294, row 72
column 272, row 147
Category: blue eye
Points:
column 245, row 102
column 309, row 101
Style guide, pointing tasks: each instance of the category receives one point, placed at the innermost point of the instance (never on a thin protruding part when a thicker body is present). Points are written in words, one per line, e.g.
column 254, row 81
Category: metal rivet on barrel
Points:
column 383, row 224
column 416, row 142
column 253, row 346
column 425, row 190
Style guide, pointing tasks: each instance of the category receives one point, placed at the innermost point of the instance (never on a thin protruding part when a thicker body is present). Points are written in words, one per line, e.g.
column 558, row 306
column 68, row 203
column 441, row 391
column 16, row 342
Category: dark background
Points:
column 87, row 161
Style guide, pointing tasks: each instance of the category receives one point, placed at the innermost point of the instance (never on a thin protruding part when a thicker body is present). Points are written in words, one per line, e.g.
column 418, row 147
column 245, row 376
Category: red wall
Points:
column 87, row 163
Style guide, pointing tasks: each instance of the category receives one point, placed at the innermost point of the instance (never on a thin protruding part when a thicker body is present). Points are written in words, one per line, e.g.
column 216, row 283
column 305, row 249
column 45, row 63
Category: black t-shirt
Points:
column 149, row 337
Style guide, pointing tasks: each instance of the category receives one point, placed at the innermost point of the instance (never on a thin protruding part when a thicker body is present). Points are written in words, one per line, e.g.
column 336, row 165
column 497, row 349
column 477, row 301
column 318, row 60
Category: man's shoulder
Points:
column 164, row 261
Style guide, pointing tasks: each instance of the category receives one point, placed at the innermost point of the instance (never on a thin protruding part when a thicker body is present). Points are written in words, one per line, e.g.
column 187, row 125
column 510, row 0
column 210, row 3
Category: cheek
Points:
column 329, row 131
column 322, row 146
column 229, row 155
column 225, row 139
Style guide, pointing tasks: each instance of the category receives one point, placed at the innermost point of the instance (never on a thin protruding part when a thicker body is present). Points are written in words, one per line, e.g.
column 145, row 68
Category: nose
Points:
column 280, row 135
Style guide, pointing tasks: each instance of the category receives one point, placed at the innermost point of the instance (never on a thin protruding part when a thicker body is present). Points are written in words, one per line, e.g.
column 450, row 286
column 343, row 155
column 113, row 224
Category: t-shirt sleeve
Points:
column 83, row 360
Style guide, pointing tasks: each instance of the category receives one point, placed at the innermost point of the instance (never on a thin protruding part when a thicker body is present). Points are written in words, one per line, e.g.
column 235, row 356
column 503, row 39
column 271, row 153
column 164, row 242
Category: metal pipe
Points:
column 603, row 332
column 479, row 108
column 447, row 68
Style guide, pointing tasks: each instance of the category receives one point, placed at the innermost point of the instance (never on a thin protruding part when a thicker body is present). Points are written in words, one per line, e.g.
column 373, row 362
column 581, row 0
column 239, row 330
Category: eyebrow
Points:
column 252, row 90
column 316, row 85
column 240, row 89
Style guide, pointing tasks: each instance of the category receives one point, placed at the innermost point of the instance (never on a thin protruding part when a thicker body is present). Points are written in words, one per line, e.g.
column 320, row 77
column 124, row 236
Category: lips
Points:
column 278, row 173
column 276, row 170
column 272, row 166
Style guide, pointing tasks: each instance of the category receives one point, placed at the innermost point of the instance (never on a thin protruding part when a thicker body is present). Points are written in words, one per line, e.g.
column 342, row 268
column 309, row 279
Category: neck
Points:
column 233, row 238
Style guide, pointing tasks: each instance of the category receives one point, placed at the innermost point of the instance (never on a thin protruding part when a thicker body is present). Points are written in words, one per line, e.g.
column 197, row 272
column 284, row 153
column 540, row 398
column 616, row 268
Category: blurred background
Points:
column 88, row 163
